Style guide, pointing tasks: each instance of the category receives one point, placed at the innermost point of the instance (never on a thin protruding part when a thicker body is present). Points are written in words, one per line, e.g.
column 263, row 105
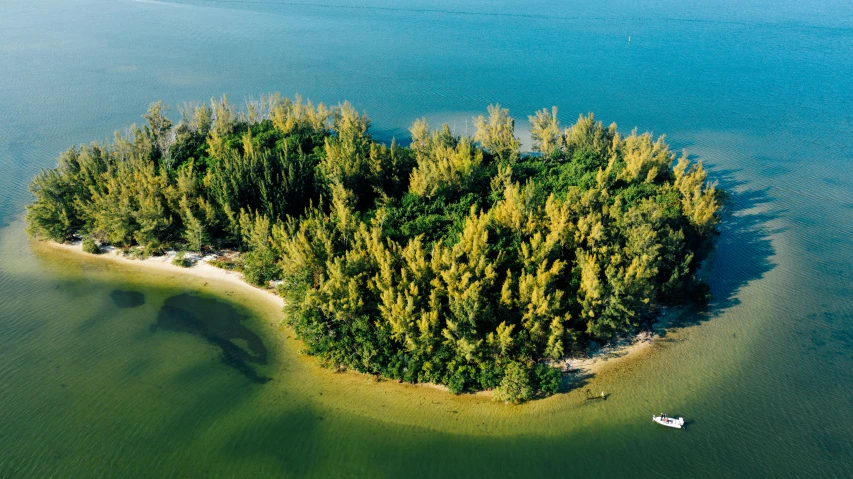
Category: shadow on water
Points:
column 121, row 299
column 742, row 254
column 220, row 325
column 743, row 251
column 688, row 423
column 574, row 380
column 127, row 299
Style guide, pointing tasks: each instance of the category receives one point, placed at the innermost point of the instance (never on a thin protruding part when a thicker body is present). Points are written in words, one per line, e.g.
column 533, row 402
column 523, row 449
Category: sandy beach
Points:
column 607, row 355
column 201, row 267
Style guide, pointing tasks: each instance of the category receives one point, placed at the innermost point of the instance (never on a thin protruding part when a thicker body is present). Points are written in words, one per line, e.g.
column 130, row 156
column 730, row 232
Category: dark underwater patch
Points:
column 220, row 325
column 127, row 299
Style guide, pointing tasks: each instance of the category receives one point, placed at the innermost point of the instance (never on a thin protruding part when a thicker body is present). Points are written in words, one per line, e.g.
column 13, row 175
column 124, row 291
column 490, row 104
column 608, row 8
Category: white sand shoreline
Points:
column 591, row 364
column 200, row 269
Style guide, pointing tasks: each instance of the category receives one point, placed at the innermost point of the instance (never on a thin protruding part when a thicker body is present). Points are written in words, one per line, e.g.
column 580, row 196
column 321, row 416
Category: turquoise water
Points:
column 98, row 382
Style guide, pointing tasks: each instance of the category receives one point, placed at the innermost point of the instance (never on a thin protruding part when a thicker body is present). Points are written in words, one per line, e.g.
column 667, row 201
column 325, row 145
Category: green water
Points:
column 110, row 371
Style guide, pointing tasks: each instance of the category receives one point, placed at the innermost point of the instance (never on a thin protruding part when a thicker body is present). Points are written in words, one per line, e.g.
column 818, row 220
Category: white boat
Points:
column 663, row 420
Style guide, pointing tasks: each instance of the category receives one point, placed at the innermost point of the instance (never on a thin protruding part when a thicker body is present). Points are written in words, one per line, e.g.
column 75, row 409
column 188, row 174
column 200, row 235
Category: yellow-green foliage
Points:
column 453, row 260
column 90, row 246
column 545, row 131
column 445, row 163
column 289, row 116
column 497, row 133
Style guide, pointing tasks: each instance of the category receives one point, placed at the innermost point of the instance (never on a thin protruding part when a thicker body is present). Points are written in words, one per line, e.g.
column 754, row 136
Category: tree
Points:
column 159, row 128
column 89, row 246
column 545, row 131
column 447, row 167
column 195, row 232
column 497, row 134
column 260, row 263
column 515, row 385
column 548, row 378
column 452, row 260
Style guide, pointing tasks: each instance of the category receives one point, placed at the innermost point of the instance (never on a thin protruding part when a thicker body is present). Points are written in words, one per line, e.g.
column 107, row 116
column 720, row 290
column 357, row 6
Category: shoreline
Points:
column 625, row 347
column 607, row 355
column 201, row 268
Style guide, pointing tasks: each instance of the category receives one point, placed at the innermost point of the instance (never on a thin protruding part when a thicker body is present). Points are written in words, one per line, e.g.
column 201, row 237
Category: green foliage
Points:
column 447, row 167
column 226, row 264
column 497, row 134
column 459, row 380
column 181, row 260
column 260, row 261
column 545, row 131
column 452, row 260
column 515, row 386
column 89, row 246
column 548, row 379
column 259, row 267
column 63, row 194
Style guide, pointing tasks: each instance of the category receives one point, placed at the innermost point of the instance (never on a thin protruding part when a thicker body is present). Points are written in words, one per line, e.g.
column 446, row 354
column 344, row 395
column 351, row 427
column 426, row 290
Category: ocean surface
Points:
column 110, row 371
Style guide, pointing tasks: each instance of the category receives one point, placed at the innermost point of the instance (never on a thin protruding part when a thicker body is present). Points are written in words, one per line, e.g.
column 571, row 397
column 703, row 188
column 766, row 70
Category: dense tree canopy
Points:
column 453, row 260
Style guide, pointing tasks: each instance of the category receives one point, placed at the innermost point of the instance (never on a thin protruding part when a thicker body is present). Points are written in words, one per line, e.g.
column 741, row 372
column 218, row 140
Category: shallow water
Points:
column 111, row 371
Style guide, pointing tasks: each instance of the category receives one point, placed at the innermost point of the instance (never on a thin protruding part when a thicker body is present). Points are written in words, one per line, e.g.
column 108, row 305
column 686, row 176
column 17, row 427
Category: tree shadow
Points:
column 120, row 299
column 742, row 253
column 574, row 380
column 743, row 250
column 220, row 325
column 127, row 299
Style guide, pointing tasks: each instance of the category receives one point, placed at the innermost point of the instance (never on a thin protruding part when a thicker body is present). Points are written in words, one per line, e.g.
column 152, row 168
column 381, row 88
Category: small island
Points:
column 454, row 260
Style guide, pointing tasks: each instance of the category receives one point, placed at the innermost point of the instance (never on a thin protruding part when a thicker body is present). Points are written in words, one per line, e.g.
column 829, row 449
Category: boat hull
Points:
column 669, row 421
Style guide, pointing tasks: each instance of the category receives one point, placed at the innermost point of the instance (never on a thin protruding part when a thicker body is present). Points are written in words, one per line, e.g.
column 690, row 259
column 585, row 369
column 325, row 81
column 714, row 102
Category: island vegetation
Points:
column 451, row 260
